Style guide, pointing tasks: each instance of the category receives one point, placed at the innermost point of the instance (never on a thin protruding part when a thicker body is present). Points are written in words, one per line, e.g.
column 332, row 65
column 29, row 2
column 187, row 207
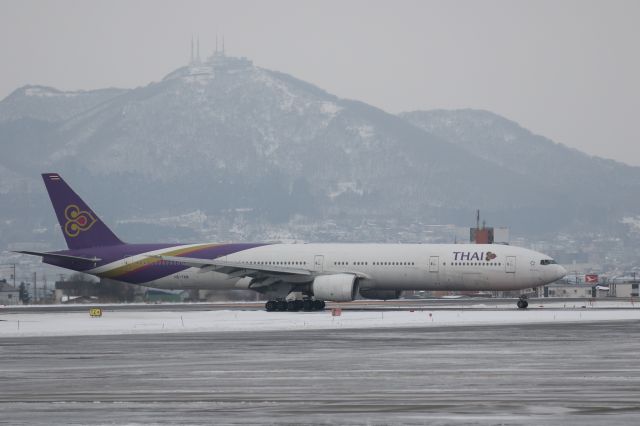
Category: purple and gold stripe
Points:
column 150, row 269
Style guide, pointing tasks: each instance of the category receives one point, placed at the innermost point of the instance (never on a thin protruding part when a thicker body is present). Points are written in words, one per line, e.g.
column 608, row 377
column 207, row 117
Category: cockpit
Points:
column 547, row 262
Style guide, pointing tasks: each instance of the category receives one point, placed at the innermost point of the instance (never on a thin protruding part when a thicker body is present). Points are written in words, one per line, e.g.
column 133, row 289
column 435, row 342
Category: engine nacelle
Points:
column 380, row 294
column 336, row 288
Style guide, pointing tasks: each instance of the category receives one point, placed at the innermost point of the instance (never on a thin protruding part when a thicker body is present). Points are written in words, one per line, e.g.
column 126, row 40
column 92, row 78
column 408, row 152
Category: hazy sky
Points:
column 568, row 70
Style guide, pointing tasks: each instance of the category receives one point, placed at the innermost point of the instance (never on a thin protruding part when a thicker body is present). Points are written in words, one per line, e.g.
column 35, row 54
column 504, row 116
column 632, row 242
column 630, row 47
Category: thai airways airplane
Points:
column 314, row 273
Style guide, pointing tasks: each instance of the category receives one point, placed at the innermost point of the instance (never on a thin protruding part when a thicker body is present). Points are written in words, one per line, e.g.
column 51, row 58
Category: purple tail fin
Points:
column 81, row 227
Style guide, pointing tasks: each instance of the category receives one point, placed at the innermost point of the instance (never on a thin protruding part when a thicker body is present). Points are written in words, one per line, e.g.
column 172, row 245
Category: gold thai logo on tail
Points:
column 77, row 220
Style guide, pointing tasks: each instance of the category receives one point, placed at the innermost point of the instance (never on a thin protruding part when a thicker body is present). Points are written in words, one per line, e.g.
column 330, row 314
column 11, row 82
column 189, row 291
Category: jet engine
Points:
column 380, row 294
column 336, row 288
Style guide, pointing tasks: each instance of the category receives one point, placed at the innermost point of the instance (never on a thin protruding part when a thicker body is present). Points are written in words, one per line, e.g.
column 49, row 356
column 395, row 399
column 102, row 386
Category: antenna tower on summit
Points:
column 219, row 52
column 198, row 48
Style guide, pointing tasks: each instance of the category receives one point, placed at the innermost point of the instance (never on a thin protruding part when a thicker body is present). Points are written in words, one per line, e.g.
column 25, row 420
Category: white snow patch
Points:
column 344, row 187
column 330, row 109
column 288, row 98
column 200, row 74
column 365, row 131
column 195, row 218
column 144, row 322
column 44, row 93
column 632, row 221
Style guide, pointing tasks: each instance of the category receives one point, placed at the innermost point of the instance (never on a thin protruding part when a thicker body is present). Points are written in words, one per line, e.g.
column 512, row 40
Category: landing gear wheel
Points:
column 270, row 306
column 522, row 303
column 293, row 305
column 307, row 305
column 318, row 305
column 281, row 305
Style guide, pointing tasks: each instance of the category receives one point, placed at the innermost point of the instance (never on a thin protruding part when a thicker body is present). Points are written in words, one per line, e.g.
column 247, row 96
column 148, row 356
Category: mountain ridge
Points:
column 223, row 134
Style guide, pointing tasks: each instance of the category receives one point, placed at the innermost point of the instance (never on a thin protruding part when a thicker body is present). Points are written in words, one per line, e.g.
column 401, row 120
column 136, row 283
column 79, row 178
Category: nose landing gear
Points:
column 522, row 302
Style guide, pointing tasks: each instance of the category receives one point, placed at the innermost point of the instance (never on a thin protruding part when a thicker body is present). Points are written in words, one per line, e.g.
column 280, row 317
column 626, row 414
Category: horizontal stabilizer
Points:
column 61, row 256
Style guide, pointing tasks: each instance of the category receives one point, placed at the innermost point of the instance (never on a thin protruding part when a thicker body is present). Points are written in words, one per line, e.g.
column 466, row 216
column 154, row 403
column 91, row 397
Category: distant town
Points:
column 598, row 266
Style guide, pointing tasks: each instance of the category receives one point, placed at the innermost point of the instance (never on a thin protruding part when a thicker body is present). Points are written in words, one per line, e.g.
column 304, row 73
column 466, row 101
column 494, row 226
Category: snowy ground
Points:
column 27, row 323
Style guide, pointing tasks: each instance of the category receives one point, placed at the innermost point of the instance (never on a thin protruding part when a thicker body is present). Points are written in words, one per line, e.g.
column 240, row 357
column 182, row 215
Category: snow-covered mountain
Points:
column 49, row 104
column 223, row 134
column 603, row 187
column 508, row 145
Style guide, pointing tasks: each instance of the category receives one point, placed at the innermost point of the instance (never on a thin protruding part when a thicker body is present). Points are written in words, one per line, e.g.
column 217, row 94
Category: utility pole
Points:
column 35, row 289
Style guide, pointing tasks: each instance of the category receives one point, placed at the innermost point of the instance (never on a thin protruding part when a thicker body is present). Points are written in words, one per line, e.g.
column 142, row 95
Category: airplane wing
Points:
column 234, row 268
column 273, row 280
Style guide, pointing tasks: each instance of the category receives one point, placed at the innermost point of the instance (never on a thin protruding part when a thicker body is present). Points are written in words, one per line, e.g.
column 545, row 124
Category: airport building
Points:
column 488, row 234
column 9, row 295
column 625, row 290
column 562, row 289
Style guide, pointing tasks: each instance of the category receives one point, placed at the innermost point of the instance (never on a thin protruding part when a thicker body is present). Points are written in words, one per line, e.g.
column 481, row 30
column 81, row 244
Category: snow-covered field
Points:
column 172, row 321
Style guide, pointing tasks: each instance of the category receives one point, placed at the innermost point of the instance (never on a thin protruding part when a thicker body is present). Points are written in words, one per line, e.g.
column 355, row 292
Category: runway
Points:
column 529, row 374
column 359, row 305
column 165, row 319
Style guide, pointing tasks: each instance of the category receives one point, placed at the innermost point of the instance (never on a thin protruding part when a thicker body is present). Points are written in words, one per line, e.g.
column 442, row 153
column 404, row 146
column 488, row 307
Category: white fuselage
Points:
column 390, row 266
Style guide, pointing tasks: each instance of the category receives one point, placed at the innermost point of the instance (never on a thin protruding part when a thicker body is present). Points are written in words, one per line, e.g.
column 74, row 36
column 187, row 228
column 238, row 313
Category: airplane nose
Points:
column 560, row 272
column 554, row 273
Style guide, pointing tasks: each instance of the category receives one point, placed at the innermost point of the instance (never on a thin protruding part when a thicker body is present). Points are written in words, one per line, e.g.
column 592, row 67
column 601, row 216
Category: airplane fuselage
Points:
column 379, row 266
column 315, row 272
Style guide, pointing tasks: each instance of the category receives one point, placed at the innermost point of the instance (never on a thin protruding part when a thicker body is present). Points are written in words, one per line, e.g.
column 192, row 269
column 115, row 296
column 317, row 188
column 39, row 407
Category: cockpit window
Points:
column 547, row 262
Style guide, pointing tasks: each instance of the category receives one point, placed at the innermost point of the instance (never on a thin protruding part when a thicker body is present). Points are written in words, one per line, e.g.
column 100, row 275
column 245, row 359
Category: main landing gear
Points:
column 522, row 302
column 306, row 305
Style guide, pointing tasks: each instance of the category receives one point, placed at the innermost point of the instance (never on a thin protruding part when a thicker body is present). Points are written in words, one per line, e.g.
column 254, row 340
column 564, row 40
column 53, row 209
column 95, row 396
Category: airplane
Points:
column 311, row 273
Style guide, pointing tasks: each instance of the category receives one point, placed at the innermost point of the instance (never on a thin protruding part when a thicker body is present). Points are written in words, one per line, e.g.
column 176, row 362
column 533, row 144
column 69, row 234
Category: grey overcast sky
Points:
column 565, row 69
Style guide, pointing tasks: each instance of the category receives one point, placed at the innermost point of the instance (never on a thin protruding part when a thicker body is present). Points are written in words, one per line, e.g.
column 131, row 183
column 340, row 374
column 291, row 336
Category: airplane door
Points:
column 510, row 264
column 318, row 263
column 433, row 263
